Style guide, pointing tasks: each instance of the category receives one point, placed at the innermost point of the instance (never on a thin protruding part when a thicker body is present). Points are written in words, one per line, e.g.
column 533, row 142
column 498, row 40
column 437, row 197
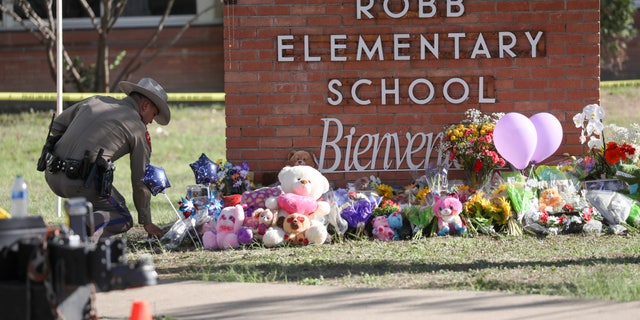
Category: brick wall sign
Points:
column 369, row 85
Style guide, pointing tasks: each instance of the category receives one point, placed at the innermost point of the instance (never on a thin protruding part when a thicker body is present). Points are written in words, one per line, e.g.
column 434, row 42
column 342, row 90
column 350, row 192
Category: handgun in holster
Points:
column 106, row 177
column 102, row 173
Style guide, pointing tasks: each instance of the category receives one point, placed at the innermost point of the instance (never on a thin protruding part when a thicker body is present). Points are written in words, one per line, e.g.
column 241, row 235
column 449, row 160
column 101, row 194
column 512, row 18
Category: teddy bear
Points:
column 447, row 210
column 381, row 229
column 549, row 200
column 295, row 225
column 227, row 227
column 265, row 219
column 302, row 190
column 301, row 158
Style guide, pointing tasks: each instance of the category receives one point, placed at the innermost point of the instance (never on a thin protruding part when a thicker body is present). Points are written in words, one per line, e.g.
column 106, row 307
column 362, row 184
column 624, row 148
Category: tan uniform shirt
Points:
column 114, row 125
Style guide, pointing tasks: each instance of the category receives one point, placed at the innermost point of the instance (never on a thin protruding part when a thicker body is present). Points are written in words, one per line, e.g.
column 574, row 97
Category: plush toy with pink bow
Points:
column 302, row 191
column 228, row 231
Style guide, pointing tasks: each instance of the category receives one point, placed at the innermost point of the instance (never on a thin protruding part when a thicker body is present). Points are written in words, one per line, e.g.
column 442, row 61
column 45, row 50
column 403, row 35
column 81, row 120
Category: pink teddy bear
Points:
column 227, row 226
column 381, row 229
column 447, row 209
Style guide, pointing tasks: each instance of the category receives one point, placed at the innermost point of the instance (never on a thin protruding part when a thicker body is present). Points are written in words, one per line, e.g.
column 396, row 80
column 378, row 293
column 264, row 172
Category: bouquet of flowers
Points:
column 603, row 160
column 470, row 145
column 231, row 179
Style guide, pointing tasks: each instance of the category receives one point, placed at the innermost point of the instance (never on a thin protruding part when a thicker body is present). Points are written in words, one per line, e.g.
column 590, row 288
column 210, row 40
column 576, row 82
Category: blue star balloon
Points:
column 205, row 170
column 155, row 179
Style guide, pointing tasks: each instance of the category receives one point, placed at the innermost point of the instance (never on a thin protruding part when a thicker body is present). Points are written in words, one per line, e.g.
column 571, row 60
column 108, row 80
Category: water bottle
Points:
column 19, row 198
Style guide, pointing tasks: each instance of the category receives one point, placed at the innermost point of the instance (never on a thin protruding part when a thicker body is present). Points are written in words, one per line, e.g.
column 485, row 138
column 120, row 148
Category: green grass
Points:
column 605, row 267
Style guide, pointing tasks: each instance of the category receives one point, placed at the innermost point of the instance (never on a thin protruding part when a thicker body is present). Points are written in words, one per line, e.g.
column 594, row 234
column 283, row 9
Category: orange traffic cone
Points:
column 140, row 310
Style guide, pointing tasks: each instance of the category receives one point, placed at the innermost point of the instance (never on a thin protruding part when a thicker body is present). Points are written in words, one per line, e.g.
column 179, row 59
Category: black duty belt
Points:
column 73, row 169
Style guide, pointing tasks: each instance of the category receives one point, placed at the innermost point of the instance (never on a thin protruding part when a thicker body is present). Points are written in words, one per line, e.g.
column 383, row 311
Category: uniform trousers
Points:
column 110, row 214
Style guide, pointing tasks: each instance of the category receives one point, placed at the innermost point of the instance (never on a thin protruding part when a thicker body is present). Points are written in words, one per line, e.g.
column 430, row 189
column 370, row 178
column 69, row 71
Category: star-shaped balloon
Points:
column 205, row 170
column 155, row 179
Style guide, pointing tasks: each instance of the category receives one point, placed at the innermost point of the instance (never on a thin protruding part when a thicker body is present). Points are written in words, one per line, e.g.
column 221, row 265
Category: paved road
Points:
column 214, row 300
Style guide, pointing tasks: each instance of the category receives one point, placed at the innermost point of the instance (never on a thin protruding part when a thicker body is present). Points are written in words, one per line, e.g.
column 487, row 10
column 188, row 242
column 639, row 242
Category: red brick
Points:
column 291, row 97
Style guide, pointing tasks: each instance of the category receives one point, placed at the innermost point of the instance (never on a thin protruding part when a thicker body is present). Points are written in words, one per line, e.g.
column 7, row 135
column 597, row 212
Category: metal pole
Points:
column 59, row 71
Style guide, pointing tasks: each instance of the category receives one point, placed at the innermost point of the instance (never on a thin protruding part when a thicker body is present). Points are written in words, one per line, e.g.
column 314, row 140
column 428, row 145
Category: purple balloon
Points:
column 515, row 139
column 155, row 179
column 205, row 170
column 549, row 131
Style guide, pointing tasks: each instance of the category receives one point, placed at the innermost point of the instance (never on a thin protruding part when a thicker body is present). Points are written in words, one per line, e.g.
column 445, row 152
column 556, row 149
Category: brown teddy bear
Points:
column 295, row 225
column 301, row 158
column 549, row 199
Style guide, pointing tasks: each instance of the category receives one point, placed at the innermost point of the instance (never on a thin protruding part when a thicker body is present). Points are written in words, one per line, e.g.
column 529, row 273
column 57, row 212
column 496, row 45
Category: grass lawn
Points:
column 603, row 267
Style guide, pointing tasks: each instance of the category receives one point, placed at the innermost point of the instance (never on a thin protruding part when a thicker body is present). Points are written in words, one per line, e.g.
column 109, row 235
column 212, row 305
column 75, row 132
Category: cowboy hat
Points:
column 152, row 90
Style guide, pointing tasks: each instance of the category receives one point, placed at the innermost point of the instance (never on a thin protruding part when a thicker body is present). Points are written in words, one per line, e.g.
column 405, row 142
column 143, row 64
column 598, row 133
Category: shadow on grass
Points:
column 328, row 270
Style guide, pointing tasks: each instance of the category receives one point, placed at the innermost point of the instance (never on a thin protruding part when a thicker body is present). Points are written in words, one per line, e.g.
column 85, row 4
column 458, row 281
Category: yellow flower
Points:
column 385, row 191
column 422, row 194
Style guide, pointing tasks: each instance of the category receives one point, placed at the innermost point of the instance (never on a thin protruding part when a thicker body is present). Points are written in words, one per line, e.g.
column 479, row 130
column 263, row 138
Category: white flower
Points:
column 594, row 142
column 578, row 120
column 591, row 114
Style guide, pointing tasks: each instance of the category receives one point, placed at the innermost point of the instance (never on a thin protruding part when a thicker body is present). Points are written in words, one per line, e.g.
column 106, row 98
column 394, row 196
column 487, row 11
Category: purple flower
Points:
column 360, row 211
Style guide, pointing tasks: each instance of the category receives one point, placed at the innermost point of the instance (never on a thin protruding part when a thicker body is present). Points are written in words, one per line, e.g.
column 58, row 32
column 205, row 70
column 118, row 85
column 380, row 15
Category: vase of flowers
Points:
column 470, row 145
column 231, row 181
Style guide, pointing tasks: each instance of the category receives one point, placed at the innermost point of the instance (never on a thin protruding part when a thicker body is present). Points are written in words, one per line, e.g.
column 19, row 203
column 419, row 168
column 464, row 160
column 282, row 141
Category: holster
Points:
column 47, row 152
column 105, row 177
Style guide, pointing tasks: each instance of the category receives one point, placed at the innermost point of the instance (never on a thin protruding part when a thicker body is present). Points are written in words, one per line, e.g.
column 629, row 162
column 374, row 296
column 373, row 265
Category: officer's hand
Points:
column 153, row 230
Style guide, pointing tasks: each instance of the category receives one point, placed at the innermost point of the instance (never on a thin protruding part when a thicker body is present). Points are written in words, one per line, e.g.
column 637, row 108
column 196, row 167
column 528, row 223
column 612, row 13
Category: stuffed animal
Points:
column 227, row 226
column 295, row 225
column 549, row 200
column 301, row 158
column 302, row 187
column 381, row 229
column 447, row 210
column 265, row 219
column 395, row 222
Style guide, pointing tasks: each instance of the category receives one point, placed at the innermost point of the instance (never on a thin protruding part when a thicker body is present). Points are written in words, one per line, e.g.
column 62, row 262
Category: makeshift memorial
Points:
column 470, row 144
column 303, row 188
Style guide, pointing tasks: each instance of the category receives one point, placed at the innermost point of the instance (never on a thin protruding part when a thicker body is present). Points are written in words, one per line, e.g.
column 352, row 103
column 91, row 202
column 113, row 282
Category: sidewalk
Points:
column 215, row 300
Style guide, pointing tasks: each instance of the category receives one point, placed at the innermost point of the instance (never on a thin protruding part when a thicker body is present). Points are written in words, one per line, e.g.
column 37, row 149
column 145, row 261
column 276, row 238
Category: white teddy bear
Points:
column 302, row 189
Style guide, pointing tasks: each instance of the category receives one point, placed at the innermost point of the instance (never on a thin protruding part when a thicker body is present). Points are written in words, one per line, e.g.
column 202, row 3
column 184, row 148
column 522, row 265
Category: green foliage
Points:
column 616, row 28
